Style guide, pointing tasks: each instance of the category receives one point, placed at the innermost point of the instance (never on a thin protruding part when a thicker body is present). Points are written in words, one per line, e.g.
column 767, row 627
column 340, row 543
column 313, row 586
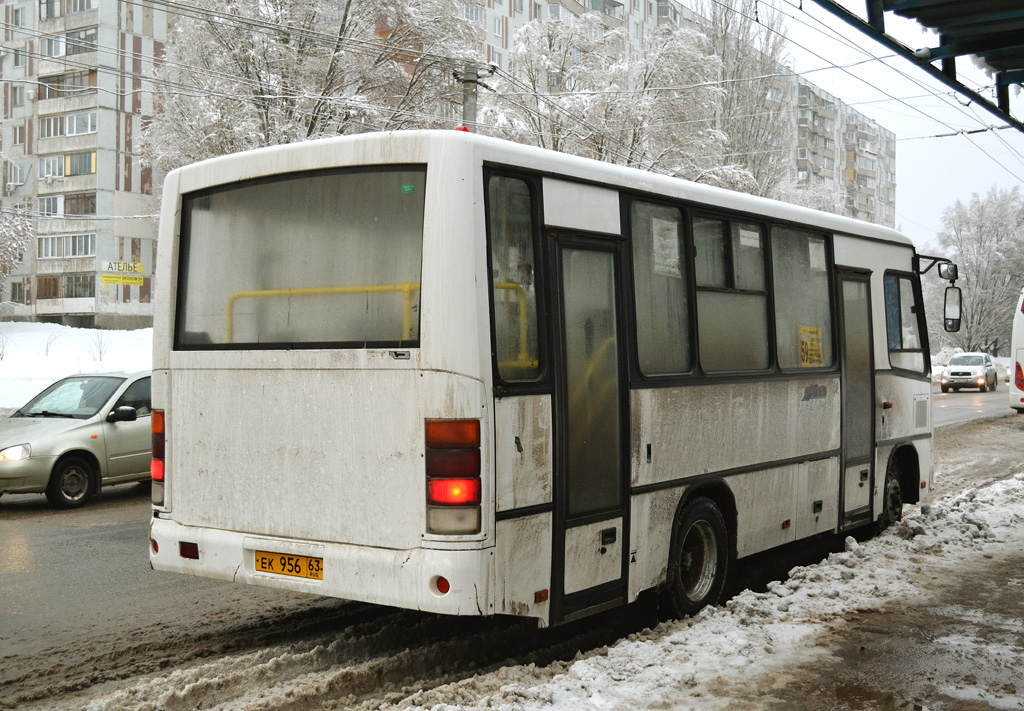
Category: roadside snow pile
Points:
column 700, row 662
column 34, row 355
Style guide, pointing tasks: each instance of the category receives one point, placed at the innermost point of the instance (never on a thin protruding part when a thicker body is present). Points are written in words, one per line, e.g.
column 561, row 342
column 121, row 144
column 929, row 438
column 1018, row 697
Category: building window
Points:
column 499, row 26
column 81, row 123
column 81, row 163
column 19, row 57
column 49, row 9
column 79, row 286
column 51, row 205
column 74, row 6
column 17, row 95
column 54, row 87
column 18, row 134
column 80, row 204
column 51, row 167
column 81, row 41
column 474, row 13
column 48, row 287
column 50, row 126
column 18, row 17
column 16, row 173
column 66, row 246
column 51, row 46
column 18, row 292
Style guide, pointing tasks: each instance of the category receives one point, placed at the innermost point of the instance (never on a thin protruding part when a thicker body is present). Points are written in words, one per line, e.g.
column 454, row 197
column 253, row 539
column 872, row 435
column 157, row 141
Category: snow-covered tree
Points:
column 985, row 237
column 240, row 74
column 16, row 232
column 749, row 39
column 575, row 87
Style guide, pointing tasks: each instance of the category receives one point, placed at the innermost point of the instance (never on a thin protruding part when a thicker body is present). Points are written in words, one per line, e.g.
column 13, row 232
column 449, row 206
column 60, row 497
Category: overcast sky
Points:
column 931, row 172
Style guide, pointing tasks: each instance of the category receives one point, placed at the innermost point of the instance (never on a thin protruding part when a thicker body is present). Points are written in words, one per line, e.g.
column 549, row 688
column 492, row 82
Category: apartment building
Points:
column 836, row 147
column 73, row 109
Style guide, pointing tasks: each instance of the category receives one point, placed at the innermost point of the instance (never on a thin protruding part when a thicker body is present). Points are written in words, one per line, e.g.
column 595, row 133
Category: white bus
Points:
column 456, row 374
column 1017, row 357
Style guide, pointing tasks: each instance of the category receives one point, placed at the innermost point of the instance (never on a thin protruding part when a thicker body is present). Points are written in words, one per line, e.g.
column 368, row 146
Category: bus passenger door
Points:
column 591, row 522
column 858, row 428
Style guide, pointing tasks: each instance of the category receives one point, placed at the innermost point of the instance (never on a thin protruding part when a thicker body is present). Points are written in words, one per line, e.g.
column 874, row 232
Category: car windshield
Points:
column 967, row 360
column 78, row 397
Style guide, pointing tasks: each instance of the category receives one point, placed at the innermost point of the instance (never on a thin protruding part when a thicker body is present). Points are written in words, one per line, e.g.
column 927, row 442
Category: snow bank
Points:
column 33, row 355
column 701, row 662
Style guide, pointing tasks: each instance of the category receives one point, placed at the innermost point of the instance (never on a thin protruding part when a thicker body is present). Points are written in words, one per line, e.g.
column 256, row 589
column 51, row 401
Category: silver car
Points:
column 80, row 434
column 969, row 370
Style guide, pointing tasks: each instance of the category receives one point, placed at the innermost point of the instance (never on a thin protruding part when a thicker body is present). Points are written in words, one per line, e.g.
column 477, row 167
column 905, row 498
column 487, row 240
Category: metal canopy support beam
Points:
column 907, row 53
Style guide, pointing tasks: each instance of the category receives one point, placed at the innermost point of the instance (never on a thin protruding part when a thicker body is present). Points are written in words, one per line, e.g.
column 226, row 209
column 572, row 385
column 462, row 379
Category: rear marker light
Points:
column 154, row 545
column 156, row 467
column 188, row 550
column 1018, row 378
column 442, row 585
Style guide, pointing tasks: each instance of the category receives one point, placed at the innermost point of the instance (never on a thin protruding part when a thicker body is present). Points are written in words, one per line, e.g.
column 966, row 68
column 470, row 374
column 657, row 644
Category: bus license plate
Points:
column 297, row 566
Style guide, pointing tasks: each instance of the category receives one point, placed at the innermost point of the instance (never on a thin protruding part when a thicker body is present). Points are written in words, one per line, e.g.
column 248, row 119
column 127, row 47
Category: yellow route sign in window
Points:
column 810, row 347
column 125, row 279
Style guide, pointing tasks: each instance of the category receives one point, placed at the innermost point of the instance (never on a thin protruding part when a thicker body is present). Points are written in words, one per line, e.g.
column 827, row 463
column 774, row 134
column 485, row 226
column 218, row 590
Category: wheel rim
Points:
column 74, row 483
column 698, row 561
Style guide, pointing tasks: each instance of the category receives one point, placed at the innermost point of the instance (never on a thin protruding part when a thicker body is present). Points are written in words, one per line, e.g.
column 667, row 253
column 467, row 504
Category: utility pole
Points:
column 470, row 79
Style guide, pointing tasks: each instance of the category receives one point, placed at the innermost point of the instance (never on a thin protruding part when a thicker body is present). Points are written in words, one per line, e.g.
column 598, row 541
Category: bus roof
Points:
column 420, row 145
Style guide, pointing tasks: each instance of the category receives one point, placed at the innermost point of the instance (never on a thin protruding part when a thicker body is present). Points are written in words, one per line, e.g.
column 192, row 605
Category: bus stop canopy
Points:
column 990, row 30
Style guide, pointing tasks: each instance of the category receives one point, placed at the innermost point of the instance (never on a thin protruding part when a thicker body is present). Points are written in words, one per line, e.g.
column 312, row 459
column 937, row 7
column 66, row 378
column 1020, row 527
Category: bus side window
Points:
column 732, row 302
column 902, row 324
column 514, row 276
column 803, row 314
column 660, row 289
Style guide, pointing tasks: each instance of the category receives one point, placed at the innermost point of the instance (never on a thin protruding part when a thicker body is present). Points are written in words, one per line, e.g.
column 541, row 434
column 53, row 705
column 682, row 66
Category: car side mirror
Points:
column 951, row 311
column 123, row 414
column 948, row 271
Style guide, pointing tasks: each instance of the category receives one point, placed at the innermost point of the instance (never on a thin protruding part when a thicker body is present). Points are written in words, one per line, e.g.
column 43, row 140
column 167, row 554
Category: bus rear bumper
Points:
column 400, row 578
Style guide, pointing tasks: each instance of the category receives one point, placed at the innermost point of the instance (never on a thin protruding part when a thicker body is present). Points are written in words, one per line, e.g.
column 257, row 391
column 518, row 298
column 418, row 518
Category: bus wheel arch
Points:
column 702, row 545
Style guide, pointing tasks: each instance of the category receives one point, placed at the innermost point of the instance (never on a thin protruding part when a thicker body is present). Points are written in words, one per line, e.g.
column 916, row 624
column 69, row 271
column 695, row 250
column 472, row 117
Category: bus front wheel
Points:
column 892, row 497
column 698, row 558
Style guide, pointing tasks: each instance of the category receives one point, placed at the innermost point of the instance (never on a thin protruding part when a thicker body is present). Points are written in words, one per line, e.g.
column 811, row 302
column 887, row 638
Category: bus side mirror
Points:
column 951, row 310
column 948, row 271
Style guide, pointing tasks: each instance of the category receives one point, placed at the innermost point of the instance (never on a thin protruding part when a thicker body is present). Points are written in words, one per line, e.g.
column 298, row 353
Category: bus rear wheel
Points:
column 698, row 558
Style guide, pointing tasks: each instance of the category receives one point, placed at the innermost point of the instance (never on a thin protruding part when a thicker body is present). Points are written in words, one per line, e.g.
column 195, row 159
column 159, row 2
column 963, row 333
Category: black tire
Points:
column 945, row 388
column 892, row 497
column 72, row 482
column 995, row 384
column 698, row 558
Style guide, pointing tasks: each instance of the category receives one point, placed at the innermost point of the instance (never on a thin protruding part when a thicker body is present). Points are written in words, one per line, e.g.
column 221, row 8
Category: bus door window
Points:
column 902, row 323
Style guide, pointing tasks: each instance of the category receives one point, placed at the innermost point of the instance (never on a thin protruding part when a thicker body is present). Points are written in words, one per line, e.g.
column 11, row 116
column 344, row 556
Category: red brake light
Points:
column 1018, row 378
column 454, row 492
column 156, row 469
column 453, row 434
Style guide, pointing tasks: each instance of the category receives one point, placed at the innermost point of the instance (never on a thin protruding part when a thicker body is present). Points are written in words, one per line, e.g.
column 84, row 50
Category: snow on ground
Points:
column 704, row 663
column 34, row 355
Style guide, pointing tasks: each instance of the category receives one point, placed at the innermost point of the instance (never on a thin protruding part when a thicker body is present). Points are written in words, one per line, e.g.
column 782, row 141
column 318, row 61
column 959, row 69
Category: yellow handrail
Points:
column 524, row 351
column 406, row 290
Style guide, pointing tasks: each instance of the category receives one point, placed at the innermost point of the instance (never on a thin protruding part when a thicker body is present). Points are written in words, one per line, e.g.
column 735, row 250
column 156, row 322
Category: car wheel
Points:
column 698, row 558
column 892, row 497
column 945, row 388
column 995, row 384
column 71, row 483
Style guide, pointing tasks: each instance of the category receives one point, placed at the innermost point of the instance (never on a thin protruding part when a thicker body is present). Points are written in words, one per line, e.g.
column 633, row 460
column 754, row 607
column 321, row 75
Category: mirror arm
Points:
column 932, row 261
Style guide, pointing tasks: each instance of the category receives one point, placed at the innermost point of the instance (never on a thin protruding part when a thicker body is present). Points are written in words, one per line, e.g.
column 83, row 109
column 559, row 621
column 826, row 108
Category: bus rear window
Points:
column 307, row 260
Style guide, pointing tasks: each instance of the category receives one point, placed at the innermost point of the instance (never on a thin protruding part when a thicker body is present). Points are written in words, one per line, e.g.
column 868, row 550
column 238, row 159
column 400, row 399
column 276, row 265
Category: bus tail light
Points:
column 1018, row 378
column 453, row 476
column 156, row 467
